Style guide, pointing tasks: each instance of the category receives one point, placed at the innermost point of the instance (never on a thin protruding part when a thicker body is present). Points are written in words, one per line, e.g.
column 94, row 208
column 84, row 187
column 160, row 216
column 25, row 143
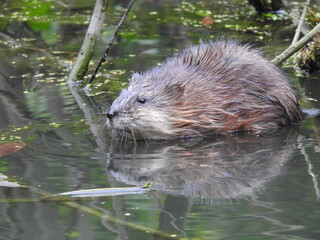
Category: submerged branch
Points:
column 296, row 47
column 66, row 200
column 113, row 37
column 97, row 128
column 104, row 216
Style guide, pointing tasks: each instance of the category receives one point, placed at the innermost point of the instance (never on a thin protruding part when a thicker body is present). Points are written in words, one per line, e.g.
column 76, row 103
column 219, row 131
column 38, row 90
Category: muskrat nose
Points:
column 111, row 114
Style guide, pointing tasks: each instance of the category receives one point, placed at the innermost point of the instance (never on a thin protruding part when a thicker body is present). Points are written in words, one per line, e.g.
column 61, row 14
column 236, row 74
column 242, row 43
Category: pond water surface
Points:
column 232, row 187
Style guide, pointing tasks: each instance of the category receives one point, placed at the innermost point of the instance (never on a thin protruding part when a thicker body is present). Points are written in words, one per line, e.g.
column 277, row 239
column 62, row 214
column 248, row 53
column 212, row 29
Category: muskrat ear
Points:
column 174, row 90
column 134, row 78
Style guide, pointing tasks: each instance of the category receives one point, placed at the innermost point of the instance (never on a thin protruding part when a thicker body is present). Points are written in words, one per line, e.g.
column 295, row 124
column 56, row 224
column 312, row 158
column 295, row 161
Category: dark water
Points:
column 236, row 187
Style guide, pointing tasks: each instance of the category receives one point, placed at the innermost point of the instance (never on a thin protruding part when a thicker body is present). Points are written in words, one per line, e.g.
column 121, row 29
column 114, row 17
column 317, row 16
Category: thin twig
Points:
column 114, row 35
column 303, row 15
column 296, row 47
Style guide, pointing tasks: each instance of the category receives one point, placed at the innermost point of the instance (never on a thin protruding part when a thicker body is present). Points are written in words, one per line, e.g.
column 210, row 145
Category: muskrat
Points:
column 217, row 87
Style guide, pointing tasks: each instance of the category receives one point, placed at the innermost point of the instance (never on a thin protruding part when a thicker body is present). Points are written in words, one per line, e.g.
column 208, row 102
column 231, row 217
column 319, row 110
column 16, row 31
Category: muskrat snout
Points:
column 111, row 114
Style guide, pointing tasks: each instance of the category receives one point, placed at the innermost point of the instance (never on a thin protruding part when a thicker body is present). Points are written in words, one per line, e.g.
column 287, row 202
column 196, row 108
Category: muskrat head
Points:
column 146, row 108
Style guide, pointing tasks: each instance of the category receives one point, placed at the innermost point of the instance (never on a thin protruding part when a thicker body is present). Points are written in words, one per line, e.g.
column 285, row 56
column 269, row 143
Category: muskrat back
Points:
column 212, row 88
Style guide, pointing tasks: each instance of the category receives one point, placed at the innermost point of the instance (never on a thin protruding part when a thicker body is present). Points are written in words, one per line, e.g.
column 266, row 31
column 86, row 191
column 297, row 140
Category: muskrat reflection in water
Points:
column 212, row 88
column 221, row 167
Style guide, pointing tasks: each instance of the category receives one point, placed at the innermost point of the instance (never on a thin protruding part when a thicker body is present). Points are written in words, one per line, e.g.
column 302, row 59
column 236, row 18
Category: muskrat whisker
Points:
column 103, row 103
column 101, row 129
column 128, row 130
column 96, row 123
column 122, row 133
column 143, row 136
column 134, row 141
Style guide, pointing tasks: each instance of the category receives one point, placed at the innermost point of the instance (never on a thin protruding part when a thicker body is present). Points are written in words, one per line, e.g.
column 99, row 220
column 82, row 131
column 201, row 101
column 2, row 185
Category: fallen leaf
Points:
column 207, row 21
column 10, row 148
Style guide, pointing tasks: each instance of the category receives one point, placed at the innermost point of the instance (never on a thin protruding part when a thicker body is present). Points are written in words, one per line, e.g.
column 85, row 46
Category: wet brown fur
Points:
column 213, row 88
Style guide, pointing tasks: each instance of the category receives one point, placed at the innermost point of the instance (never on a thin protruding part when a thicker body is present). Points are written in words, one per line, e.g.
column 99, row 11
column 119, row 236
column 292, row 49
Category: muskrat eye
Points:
column 142, row 100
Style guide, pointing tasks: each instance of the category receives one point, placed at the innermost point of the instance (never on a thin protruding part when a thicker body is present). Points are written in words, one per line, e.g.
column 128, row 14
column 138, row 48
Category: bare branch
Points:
column 303, row 15
column 296, row 47
column 81, row 65
column 114, row 35
column 80, row 68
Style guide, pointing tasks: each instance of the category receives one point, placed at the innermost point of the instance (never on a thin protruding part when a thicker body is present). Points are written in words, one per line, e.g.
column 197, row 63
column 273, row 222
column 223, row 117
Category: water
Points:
column 235, row 187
